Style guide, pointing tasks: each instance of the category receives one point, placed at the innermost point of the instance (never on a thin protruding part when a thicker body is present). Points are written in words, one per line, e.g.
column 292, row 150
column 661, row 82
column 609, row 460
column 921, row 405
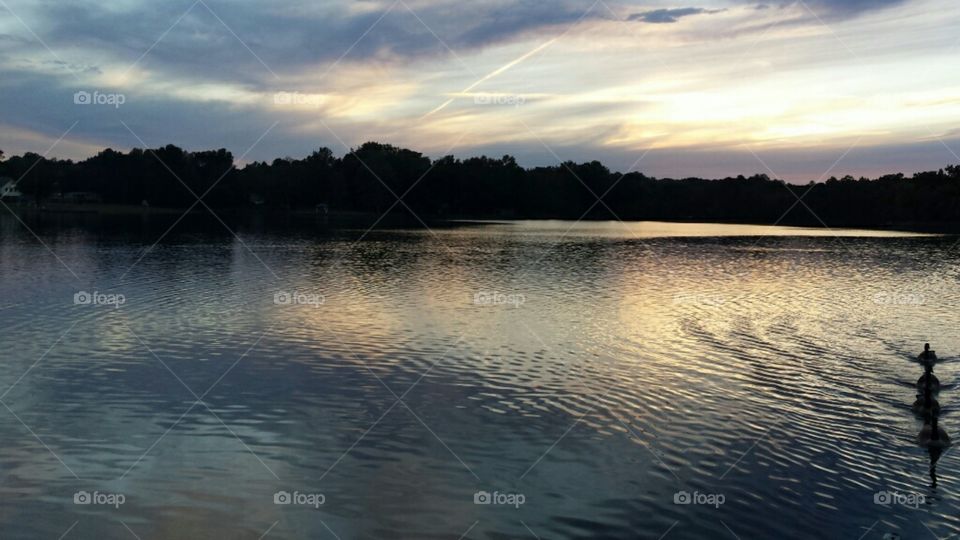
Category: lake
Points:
column 472, row 380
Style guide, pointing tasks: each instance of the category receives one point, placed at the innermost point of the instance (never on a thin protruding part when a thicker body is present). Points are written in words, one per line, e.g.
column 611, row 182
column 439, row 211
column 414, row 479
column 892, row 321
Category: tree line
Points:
column 371, row 177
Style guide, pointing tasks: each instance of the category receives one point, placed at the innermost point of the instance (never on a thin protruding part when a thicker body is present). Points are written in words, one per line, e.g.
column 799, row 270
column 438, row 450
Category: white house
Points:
column 9, row 190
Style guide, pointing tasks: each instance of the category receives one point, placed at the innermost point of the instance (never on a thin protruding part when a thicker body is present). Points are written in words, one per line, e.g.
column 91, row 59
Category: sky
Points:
column 800, row 90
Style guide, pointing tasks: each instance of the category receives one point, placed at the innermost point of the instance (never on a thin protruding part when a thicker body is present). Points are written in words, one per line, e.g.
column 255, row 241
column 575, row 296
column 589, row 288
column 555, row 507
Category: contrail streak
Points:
column 493, row 74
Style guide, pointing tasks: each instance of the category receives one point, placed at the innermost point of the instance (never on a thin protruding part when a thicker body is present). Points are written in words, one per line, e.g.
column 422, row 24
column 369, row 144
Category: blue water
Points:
column 596, row 373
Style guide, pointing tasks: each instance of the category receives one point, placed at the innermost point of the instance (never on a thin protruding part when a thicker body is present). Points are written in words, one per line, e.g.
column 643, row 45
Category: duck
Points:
column 932, row 435
column 927, row 357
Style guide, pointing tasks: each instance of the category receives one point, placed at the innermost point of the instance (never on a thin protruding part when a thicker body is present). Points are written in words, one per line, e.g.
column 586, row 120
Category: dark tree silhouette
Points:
column 372, row 177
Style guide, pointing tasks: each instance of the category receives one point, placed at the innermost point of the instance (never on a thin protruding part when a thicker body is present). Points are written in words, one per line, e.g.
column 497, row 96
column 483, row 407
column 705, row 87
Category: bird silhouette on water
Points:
column 932, row 437
column 928, row 356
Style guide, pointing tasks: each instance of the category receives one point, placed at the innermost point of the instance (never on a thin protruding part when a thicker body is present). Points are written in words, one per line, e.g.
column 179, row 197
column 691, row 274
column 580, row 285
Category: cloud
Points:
column 841, row 9
column 200, row 87
column 662, row 16
column 300, row 35
column 828, row 9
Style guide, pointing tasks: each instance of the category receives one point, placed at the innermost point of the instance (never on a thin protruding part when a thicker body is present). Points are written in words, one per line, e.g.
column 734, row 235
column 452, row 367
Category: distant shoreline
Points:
column 335, row 217
column 376, row 178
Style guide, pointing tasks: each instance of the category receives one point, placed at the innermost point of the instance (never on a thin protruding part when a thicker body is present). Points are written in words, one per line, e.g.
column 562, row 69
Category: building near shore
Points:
column 9, row 191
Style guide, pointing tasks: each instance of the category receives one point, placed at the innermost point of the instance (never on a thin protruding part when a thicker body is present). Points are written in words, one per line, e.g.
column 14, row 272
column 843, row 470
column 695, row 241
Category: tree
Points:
column 372, row 177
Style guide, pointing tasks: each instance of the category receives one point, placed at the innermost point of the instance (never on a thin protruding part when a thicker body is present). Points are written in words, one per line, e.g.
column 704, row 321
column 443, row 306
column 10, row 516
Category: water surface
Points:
column 597, row 369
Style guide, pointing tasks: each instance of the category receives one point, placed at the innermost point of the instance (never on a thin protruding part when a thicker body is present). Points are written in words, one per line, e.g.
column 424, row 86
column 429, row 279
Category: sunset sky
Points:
column 800, row 90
